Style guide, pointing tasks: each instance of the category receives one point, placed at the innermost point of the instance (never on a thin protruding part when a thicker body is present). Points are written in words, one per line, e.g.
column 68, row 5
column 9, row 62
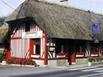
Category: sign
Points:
column 96, row 28
column 37, row 34
column 96, row 32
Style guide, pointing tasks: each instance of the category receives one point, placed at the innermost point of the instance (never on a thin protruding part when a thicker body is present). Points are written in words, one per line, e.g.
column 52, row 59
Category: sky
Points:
column 9, row 7
column 92, row 5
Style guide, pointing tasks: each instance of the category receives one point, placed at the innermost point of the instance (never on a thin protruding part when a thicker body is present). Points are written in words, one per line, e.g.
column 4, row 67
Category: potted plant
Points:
column 2, row 57
column 90, row 60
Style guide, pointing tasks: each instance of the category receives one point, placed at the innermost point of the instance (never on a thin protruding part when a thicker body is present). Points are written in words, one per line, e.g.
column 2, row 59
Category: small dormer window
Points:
column 27, row 27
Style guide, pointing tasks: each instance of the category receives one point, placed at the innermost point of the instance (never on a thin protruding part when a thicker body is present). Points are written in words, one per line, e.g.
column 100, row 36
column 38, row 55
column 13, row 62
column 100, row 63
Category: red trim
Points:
column 38, row 58
column 56, row 58
column 16, row 38
column 48, row 58
column 8, row 55
column 80, row 53
column 73, row 56
column 23, row 61
column 62, row 54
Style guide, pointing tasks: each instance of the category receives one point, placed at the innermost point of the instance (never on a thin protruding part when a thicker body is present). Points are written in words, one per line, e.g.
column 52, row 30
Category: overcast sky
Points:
column 6, row 9
column 93, row 5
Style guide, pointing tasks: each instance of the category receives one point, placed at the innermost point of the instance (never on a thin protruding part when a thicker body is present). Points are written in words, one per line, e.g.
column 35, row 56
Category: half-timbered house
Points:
column 52, row 34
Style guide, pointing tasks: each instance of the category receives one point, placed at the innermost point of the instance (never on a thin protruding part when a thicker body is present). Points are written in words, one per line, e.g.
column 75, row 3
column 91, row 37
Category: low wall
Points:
column 53, row 62
column 81, row 60
column 58, row 62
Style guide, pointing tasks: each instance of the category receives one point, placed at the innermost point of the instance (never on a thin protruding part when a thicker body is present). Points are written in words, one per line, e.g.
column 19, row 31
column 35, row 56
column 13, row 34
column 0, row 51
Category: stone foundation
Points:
column 81, row 61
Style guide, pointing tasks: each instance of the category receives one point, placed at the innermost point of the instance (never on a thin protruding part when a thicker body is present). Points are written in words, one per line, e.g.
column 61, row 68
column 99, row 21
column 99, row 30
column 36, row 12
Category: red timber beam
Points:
column 46, row 50
column 8, row 55
column 73, row 56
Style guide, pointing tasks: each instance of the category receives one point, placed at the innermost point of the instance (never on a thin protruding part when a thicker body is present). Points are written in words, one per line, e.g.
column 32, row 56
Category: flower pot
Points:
column 3, row 62
column 89, row 63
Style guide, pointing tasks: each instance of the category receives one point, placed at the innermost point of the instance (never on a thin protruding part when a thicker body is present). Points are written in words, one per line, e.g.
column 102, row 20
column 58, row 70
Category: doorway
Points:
column 35, row 46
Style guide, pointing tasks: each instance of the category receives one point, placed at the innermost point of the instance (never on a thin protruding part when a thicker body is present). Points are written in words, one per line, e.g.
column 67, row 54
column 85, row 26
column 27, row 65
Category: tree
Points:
column 2, row 20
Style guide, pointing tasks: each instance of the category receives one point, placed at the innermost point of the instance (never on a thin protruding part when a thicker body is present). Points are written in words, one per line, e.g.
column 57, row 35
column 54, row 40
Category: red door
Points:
column 31, row 46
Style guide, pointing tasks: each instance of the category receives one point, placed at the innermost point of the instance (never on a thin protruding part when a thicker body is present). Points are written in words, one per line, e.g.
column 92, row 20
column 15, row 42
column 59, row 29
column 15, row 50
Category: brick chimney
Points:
column 63, row 2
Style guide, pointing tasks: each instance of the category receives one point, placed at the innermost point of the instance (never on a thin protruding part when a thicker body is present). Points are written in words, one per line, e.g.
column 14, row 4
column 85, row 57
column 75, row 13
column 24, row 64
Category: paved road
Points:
column 11, row 71
column 94, row 72
column 49, row 72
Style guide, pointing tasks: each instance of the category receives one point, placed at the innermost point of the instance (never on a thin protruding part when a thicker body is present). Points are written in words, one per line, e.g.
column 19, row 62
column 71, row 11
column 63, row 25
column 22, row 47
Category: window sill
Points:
column 35, row 56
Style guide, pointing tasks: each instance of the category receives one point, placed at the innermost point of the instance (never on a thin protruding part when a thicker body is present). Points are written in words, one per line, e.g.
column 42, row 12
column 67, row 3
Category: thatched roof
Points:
column 58, row 21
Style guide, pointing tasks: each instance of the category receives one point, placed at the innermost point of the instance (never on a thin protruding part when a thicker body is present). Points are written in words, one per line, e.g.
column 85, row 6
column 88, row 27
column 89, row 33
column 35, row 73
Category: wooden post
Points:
column 73, row 57
column 88, row 47
column 46, row 51
column 8, row 55
column 31, row 49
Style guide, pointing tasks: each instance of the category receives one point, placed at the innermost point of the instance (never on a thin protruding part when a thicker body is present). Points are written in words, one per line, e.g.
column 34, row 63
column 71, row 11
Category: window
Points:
column 37, row 46
column 37, row 50
column 27, row 27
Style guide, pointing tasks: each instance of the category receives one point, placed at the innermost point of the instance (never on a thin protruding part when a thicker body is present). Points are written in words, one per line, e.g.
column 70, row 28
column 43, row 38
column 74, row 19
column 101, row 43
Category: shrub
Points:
column 10, row 61
column 2, row 55
column 99, row 59
column 91, row 59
